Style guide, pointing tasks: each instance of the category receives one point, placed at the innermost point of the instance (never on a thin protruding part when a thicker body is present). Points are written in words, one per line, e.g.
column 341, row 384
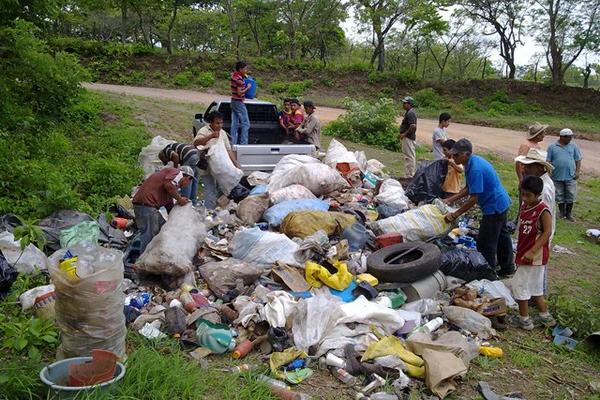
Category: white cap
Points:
column 566, row 132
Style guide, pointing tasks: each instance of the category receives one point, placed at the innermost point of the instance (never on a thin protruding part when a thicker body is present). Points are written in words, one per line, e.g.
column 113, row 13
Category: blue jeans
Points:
column 192, row 189
column 211, row 192
column 239, row 118
column 148, row 221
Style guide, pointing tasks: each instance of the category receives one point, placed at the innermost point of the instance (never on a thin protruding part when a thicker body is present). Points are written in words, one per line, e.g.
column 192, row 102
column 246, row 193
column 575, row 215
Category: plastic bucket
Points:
column 56, row 376
column 425, row 288
column 388, row 239
column 251, row 93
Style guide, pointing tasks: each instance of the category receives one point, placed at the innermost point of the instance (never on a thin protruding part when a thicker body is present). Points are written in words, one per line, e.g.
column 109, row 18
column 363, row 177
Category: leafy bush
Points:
column 183, row 78
column 427, row 98
column 470, row 105
column 576, row 313
column 205, row 79
column 292, row 89
column 373, row 123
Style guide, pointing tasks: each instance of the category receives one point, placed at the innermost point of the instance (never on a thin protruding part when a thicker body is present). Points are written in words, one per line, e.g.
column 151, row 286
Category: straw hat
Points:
column 535, row 130
column 535, row 156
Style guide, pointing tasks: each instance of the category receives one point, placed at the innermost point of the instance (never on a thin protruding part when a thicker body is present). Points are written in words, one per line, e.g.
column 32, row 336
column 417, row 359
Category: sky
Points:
column 523, row 54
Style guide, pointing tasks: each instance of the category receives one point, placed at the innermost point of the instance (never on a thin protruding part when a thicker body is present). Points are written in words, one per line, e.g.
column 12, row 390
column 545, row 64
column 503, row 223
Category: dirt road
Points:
column 503, row 142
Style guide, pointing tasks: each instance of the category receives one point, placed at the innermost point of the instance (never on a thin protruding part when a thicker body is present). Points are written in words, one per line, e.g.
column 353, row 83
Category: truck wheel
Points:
column 413, row 266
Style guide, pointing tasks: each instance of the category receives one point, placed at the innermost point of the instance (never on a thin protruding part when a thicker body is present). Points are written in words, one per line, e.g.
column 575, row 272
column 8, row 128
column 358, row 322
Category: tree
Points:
column 382, row 15
column 448, row 42
column 506, row 17
column 566, row 28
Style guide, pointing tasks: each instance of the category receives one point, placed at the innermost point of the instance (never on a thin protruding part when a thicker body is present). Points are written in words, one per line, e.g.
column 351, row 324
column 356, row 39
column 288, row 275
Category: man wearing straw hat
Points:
column 535, row 136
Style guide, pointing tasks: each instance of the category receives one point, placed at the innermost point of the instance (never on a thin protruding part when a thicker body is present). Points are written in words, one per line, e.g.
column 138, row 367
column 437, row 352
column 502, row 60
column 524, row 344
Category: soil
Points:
column 497, row 141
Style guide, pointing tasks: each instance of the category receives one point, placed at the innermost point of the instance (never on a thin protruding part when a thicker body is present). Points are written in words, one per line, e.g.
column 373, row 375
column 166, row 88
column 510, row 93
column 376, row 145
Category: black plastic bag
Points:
column 427, row 183
column 9, row 222
column 56, row 222
column 467, row 265
column 387, row 211
column 8, row 275
column 239, row 193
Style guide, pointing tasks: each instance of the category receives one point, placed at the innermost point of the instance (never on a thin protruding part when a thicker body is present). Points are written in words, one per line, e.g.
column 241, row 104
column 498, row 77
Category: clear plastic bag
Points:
column 222, row 168
column 89, row 310
column 221, row 276
column 148, row 157
column 470, row 320
column 24, row 261
column 171, row 251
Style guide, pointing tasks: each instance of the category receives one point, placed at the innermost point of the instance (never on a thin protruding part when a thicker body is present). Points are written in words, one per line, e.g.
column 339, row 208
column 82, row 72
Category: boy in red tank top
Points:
column 533, row 250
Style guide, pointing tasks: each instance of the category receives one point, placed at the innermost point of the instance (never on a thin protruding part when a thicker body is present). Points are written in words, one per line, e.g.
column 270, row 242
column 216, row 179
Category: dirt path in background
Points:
column 503, row 142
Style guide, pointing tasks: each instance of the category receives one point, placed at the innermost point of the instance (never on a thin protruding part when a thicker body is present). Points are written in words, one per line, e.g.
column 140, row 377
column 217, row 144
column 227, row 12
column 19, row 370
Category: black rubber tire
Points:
column 415, row 265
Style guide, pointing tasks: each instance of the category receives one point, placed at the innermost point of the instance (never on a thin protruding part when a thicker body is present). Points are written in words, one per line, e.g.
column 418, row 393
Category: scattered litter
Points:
column 561, row 250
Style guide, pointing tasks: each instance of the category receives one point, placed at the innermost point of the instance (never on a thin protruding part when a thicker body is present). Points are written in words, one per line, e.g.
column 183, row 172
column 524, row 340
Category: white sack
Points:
column 148, row 157
column 314, row 319
column 279, row 308
column 367, row 312
column 27, row 299
column 338, row 153
column 259, row 178
column 391, row 193
column 263, row 248
column 375, row 166
column 417, row 224
column 221, row 167
column 31, row 258
column 171, row 251
column 317, row 177
column 292, row 192
column 361, row 158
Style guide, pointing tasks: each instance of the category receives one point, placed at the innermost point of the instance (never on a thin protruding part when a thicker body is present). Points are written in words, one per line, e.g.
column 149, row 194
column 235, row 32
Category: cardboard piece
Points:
column 291, row 277
column 441, row 370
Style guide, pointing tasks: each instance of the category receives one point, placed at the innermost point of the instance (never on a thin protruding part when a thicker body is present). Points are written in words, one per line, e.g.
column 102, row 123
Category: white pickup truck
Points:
column 265, row 147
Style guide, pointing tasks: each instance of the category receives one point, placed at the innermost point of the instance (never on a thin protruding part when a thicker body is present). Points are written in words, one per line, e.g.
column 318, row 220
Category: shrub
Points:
column 205, row 79
column 369, row 122
column 470, row 105
column 293, row 89
column 183, row 78
column 427, row 98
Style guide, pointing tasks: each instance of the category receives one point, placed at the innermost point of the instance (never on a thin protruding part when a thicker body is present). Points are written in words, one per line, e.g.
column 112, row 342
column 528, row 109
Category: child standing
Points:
column 452, row 183
column 533, row 250
column 440, row 136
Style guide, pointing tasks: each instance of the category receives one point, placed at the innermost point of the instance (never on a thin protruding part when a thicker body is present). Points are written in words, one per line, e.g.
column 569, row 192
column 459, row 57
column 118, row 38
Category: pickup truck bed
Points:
column 265, row 138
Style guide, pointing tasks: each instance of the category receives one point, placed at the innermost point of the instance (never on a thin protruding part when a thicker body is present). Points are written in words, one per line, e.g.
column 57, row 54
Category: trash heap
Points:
column 322, row 266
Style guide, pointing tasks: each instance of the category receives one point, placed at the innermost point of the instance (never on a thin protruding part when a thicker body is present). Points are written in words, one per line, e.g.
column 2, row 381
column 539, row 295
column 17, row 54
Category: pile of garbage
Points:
column 322, row 265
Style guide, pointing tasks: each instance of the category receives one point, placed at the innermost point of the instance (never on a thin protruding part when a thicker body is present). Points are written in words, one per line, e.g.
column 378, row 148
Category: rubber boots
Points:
column 562, row 210
column 569, row 209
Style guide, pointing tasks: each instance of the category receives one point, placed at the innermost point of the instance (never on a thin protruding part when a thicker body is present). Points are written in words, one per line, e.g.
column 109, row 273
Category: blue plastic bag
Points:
column 276, row 214
column 258, row 189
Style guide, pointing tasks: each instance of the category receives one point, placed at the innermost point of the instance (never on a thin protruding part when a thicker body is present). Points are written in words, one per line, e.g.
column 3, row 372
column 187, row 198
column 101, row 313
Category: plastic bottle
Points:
column 334, row 361
column 242, row 368
column 344, row 376
column 273, row 382
column 228, row 312
column 285, row 394
column 188, row 301
column 432, row 325
column 199, row 298
column 242, row 349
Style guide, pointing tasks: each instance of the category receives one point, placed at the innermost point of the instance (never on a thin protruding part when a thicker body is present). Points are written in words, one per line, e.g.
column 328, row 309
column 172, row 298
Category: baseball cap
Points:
column 461, row 145
column 566, row 132
column 187, row 170
column 309, row 103
column 408, row 100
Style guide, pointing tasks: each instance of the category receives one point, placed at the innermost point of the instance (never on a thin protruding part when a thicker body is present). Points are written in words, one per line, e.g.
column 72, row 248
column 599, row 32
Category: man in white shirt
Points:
column 440, row 136
column 206, row 137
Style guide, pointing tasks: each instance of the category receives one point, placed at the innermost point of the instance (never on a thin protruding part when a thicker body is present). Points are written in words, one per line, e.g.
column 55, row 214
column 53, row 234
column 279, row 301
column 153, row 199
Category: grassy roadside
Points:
column 531, row 363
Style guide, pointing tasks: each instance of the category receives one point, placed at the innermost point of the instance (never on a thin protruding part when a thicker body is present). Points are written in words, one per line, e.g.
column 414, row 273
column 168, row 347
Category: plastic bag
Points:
column 221, row 167
column 251, row 209
column 89, row 310
column 470, row 320
column 304, row 223
column 467, row 265
column 493, row 290
column 221, row 276
column 338, row 153
column 259, row 178
column 361, row 158
column 263, row 248
column 258, row 189
column 387, row 211
column 313, row 319
column 24, row 261
column 292, row 192
column 56, row 222
column 27, row 299
column 279, row 308
column 317, row 275
column 392, row 194
column 238, row 193
column 427, row 183
column 83, row 232
column 417, row 224
column 375, row 166
column 8, row 275
column 148, row 157
column 319, row 178
column 171, row 251
column 275, row 215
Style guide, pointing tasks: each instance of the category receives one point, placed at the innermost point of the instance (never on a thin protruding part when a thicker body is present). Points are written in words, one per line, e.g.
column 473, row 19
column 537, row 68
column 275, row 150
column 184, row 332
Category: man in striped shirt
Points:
column 239, row 113
column 183, row 154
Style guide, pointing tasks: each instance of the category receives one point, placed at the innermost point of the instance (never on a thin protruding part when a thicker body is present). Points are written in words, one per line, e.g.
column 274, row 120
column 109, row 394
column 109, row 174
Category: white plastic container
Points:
column 433, row 325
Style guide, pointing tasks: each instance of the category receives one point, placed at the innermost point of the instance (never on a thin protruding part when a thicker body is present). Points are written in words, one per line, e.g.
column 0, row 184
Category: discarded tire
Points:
column 419, row 263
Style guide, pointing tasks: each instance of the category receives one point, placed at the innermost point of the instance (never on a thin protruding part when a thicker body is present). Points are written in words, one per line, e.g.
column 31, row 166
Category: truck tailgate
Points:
column 263, row 157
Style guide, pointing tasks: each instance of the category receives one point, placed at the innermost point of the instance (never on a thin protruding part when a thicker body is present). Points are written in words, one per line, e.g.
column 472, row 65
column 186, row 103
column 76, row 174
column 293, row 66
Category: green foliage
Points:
column 28, row 233
column 205, row 79
column 34, row 85
column 292, row 89
column 28, row 336
column 367, row 122
column 576, row 312
column 183, row 78
column 428, row 98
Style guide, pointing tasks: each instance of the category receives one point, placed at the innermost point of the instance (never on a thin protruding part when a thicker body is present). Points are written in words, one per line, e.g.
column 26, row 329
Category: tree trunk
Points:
column 171, row 26
column 512, row 69
column 484, row 67
column 123, row 21
column 586, row 76
column 381, row 57
column 535, row 71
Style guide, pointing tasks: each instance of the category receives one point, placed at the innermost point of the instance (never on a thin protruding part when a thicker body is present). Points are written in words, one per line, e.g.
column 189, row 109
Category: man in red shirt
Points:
column 159, row 190
column 239, row 113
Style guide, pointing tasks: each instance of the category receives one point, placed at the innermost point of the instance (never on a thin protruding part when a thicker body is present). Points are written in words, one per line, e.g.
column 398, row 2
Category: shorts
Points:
column 528, row 282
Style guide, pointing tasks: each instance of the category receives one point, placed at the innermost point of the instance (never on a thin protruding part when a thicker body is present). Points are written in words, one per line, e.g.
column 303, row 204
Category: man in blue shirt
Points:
column 485, row 189
column 565, row 157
